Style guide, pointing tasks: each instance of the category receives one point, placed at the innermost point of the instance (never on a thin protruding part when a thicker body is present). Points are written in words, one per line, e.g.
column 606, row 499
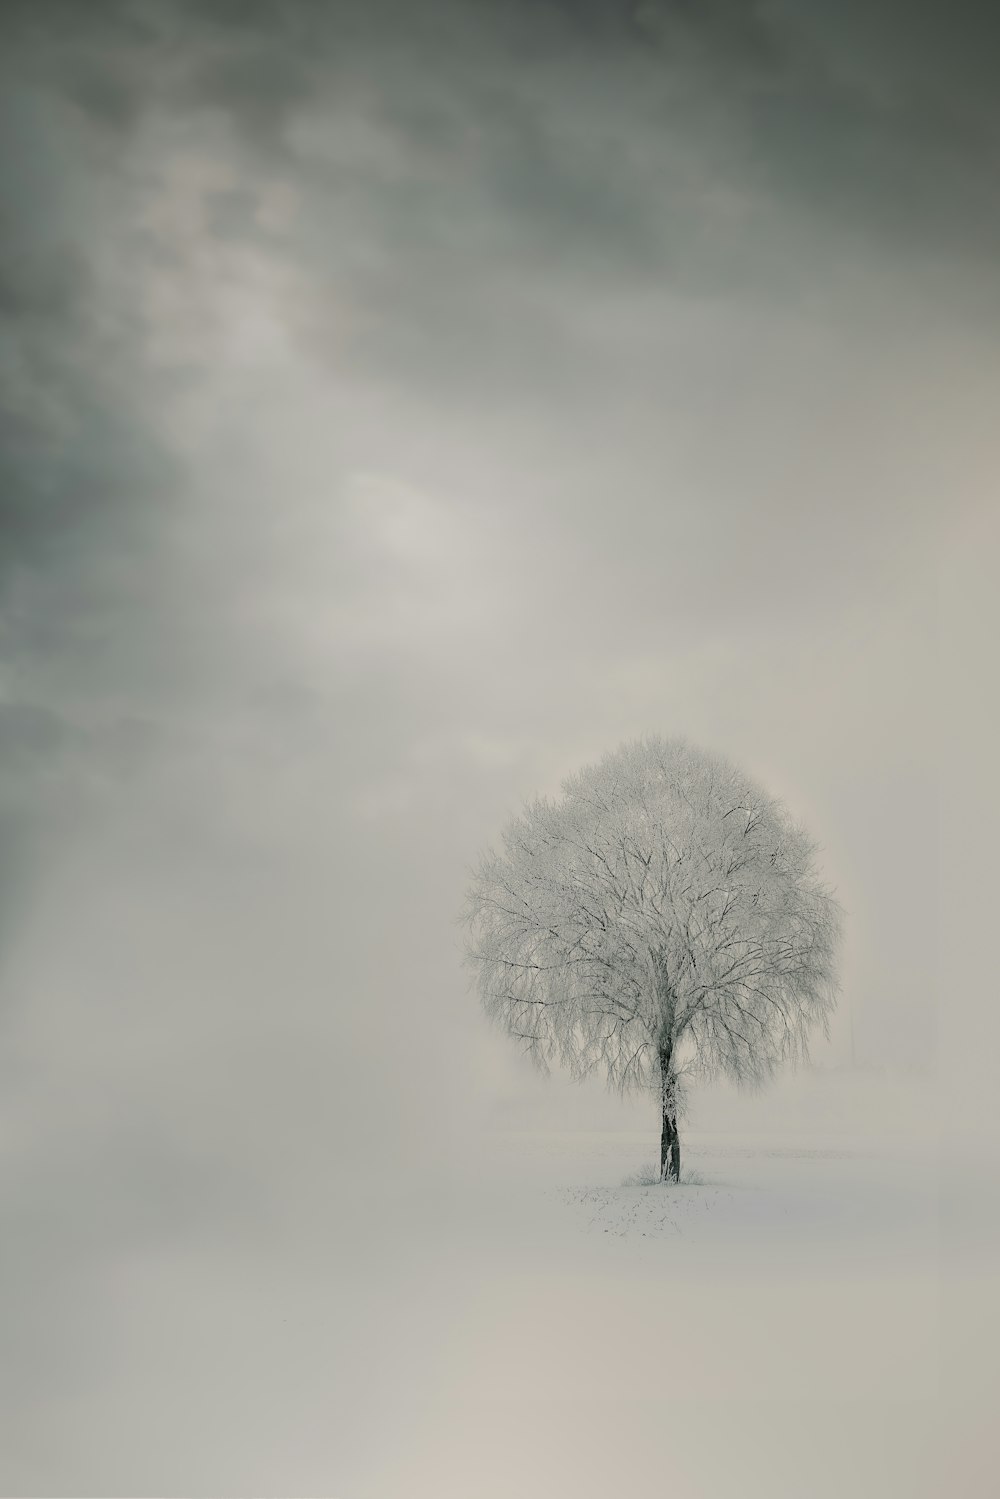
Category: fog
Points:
column 402, row 407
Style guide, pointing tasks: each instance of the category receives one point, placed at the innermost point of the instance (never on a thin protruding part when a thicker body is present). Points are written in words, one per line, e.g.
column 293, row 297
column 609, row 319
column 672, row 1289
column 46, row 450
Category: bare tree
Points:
column 663, row 918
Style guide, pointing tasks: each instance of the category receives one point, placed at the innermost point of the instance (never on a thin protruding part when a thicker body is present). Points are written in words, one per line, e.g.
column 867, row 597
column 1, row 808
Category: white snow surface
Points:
column 529, row 1315
column 774, row 1325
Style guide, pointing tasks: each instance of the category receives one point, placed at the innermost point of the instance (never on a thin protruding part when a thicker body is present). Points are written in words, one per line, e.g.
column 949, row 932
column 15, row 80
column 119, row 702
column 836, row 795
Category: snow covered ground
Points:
column 778, row 1316
column 529, row 1317
column 773, row 1326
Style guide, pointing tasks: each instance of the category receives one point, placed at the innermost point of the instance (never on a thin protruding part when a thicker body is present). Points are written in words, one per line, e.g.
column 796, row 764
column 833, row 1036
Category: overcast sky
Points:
column 403, row 404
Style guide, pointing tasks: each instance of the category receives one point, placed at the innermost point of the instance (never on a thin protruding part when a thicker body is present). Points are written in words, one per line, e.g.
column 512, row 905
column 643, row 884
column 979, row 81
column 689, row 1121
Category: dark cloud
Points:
column 481, row 223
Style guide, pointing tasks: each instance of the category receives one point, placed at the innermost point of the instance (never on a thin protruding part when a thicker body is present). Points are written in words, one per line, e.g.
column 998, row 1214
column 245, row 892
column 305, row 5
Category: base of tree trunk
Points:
column 670, row 1149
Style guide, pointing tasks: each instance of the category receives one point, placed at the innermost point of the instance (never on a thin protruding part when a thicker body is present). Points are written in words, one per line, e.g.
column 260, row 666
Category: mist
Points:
column 402, row 406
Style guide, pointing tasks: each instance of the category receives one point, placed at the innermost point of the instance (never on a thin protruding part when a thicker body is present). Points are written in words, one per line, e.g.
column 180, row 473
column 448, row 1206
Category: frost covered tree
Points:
column 663, row 919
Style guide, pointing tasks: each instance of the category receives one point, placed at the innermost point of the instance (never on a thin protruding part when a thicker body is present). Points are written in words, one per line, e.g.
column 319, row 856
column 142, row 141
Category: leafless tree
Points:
column 663, row 918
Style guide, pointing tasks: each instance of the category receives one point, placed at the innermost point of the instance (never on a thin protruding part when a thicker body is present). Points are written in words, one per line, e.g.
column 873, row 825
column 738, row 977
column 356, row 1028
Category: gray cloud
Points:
column 628, row 289
column 608, row 279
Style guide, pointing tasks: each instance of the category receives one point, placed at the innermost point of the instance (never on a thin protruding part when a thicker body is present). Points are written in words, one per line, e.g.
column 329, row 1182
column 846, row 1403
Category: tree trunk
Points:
column 670, row 1140
column 670, row 1147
